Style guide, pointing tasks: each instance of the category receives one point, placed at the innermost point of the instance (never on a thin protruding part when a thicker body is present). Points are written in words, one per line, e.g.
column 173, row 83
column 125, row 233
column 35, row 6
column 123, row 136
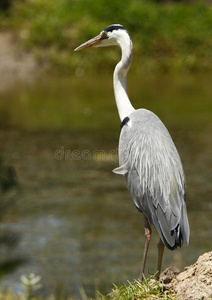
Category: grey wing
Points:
column 154, row 176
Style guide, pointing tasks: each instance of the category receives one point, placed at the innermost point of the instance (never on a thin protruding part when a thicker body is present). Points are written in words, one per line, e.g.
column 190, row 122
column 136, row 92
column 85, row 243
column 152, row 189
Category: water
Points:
column 77, row 224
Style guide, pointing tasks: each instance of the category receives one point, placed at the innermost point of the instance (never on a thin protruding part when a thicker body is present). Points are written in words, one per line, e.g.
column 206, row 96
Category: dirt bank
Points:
column 195, row 283
column 15, row 64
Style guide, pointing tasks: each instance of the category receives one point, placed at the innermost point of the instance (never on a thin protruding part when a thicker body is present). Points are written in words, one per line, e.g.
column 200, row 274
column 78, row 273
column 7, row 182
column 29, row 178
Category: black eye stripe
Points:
column 113, row 27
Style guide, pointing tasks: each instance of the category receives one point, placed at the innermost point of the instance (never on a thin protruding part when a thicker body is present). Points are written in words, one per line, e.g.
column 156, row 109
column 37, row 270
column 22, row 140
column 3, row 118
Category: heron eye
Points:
column 104, row 35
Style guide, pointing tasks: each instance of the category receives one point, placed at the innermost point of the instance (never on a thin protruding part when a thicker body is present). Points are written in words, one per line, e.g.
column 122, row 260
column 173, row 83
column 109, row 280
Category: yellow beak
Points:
column 91, row 43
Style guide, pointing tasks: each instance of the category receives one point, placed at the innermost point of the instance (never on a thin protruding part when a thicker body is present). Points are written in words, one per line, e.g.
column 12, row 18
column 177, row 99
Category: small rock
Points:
column 169, row 274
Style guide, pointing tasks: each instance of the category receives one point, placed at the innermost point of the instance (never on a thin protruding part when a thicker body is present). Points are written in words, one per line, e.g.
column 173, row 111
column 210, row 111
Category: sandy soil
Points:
column 195, row 283
column 15, row 65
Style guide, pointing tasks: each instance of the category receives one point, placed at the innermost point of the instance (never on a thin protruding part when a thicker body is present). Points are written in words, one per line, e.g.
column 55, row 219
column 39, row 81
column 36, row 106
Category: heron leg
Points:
column 146, row 246
column 160, row 257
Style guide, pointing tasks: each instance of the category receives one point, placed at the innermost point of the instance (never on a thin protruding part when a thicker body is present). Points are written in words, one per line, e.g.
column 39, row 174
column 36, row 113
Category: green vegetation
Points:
column 149, row 289
column 168, row 37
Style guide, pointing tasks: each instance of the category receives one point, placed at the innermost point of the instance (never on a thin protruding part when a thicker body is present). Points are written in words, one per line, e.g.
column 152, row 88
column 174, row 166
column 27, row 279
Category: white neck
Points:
column 123, row 103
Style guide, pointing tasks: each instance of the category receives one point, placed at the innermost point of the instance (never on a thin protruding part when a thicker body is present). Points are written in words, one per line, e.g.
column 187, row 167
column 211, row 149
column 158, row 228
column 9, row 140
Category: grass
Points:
column 149, row 289
column 168, row 37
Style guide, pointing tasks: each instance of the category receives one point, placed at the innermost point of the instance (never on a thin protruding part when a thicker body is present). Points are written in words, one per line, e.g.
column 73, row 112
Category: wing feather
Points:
column 154, row 176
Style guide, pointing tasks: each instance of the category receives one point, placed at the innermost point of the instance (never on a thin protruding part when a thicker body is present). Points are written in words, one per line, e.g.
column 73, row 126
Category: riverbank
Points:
column 16, row 65
column 195, row 283
column 167, row 37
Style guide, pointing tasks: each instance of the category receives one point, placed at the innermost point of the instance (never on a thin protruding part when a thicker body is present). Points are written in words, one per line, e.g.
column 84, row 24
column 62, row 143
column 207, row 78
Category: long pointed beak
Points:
column 91, row 43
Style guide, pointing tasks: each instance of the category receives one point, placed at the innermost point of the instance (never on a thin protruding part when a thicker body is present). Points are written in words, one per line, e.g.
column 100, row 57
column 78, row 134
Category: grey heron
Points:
column 148, row 158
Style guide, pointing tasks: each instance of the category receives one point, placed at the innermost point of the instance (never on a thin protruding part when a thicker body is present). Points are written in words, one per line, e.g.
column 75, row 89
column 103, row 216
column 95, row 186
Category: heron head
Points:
column 108, row 37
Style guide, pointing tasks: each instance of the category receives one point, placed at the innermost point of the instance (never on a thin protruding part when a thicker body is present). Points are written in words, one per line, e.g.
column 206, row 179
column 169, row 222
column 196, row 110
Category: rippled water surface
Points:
column 76, row 222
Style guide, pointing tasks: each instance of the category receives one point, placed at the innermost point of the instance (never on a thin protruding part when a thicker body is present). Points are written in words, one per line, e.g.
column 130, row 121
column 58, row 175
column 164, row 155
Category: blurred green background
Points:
column 68, row 218
column 168, row 36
